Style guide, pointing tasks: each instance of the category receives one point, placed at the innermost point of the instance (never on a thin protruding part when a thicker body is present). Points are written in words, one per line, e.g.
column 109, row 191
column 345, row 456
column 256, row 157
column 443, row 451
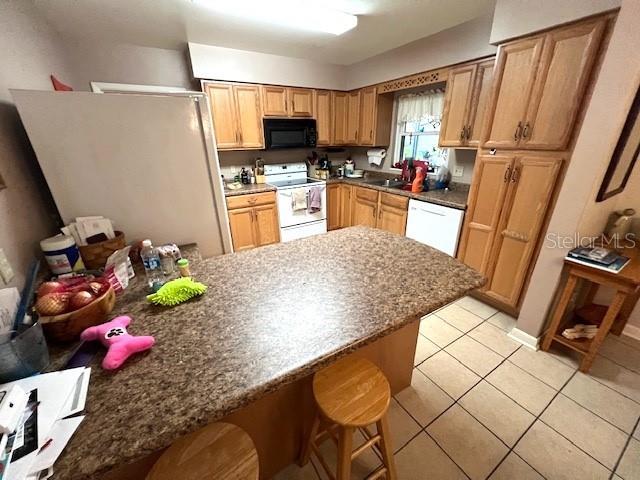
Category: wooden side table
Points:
column 626, row 284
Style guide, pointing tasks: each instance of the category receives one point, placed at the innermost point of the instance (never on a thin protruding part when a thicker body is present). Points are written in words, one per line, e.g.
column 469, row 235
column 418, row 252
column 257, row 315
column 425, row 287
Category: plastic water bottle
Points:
column 152, row 266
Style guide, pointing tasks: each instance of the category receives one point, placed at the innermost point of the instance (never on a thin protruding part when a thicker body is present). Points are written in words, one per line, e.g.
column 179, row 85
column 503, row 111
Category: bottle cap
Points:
column 183, row 262
column 146, row 243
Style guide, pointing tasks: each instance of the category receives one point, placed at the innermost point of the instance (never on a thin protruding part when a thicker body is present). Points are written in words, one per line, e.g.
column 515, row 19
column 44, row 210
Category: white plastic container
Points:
column 62, row 254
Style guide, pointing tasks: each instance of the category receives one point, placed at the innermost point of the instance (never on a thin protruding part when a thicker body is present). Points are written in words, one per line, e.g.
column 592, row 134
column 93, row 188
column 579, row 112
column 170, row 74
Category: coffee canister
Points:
column 62, row 254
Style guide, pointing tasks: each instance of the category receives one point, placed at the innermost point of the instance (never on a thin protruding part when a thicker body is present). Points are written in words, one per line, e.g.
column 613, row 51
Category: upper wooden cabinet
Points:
column 274, row 101
column 249, row 116
column 287, row 101
column 353, row 118
column 340, row 102
column 324, row 117
column 568, row 56
column 513, row 81
column 301, row 102
column 465, row 103
column 223, row 111
column 237, row 115
column 539, row 87
column 457, row 105
column 375, row 120
column 479, row 101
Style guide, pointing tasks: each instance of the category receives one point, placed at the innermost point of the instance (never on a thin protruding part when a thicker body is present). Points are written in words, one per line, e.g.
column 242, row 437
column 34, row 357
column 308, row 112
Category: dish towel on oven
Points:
column 315, row 199
column 298, row 199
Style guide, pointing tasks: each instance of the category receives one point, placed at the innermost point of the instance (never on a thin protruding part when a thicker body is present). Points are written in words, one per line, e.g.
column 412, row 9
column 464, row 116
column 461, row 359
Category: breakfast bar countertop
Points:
column 271, row 316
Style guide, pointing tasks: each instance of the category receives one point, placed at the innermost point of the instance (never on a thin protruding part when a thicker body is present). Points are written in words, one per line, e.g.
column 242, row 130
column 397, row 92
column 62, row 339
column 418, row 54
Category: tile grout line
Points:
column 532, row 424
column 455, row 402
column 624, row 449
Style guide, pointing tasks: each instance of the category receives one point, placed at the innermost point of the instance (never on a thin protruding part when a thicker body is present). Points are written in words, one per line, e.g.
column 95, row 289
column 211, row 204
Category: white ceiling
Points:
column 382, row 25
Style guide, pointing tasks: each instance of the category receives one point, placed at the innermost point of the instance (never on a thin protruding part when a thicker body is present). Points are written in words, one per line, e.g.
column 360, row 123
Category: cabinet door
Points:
column 346, row 204
column 353, row 117
column 567, row 60
column 223, row 112
column 515, row 72
column 274, row 101
column 324, row 117
column 364, row 207
column 392, row 213
column 479, row 102
column 334, row 206
column 241, row 223
column 456, row 106
column 301, row 102
column 486, row 199
column 367, row 126
column 266, row 224
column 249, row 116
column 340, row 104
column 532, row 183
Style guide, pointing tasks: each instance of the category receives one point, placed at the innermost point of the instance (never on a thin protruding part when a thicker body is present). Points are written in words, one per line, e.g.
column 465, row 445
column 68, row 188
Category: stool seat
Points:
column 217, row 451
column 352, row 392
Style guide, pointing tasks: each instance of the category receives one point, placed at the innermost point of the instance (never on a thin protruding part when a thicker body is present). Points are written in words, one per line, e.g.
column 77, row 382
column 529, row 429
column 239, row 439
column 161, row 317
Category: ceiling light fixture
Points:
column 293, row 14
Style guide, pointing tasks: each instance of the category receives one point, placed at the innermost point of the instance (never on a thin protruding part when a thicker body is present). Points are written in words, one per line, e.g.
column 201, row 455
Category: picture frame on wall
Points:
column 624, row 156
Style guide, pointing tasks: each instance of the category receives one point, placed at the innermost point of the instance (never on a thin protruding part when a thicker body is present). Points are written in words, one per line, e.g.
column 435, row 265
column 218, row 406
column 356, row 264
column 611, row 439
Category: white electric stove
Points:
column 287, row 177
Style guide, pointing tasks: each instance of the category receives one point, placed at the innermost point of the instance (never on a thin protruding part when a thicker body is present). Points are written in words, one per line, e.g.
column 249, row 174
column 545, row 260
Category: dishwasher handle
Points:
column 427, row 211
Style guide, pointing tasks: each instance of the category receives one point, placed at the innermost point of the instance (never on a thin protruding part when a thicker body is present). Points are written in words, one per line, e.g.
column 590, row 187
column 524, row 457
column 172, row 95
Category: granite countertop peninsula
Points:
column 247, row 189
column 271, row 316
column 455, row 197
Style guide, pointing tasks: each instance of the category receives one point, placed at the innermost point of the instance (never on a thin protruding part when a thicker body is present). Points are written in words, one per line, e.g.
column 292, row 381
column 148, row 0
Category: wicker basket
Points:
column 68, row 326
column 95, row 255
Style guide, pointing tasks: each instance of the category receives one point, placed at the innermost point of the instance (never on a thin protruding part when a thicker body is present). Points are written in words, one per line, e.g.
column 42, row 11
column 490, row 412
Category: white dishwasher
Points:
column 434, row 225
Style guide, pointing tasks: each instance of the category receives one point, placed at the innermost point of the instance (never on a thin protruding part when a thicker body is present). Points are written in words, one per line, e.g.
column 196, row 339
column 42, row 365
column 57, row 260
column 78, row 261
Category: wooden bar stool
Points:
column 217, row 451
column 350, row 394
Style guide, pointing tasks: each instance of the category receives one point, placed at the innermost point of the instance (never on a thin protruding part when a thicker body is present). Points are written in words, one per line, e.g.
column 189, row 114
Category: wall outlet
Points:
column 6, row 272
column 458, row 171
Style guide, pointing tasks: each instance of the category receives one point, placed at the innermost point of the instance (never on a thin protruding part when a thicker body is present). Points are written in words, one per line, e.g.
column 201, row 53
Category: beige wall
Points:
column 29, row 52
column 514, row 18
column 127, row 64
column 576, row 209
column 463, row 42
column 219, row 63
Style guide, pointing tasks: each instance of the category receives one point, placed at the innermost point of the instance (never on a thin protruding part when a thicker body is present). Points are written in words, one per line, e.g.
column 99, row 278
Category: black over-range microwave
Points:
column 289, row 132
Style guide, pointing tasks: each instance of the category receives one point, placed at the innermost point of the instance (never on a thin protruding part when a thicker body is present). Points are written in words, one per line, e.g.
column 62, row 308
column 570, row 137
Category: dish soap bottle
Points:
column 417, row 185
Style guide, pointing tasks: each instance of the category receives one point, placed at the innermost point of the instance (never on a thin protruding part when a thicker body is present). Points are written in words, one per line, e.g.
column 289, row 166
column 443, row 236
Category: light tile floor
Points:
column 481, row 406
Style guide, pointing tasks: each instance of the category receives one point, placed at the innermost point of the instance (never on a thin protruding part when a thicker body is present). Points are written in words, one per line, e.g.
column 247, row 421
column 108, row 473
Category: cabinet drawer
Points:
column 396, row 201
column 250, row 200
column 367, row 194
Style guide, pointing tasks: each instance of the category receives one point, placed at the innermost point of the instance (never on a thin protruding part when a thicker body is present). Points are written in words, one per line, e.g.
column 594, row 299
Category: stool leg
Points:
column 387, row 449
column 306, row 451
column 345, row 448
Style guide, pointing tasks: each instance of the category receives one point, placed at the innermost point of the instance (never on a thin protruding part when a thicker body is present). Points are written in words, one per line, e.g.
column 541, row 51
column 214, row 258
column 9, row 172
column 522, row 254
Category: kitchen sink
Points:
column 385, row 183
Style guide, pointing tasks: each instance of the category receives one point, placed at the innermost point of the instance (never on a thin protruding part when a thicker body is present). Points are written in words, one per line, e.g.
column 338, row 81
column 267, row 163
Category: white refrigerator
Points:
column 148, row 162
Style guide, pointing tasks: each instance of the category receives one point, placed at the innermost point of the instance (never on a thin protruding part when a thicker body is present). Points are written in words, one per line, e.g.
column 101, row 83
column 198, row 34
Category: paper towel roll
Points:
column 376, row 155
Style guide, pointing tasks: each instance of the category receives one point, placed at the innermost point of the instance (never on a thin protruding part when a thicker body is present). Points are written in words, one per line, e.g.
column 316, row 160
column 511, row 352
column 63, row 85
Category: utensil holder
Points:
column 23, row 355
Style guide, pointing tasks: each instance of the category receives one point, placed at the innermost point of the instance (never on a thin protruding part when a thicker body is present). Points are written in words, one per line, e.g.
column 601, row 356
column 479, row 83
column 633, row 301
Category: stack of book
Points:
column 598, row 257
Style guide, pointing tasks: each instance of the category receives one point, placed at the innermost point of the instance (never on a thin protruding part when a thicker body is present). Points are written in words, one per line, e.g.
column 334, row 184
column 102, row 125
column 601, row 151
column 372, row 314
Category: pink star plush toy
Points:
column 120, row 345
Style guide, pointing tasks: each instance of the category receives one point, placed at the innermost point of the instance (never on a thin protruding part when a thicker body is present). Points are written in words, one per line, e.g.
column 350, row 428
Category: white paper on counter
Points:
column 60, row 435
column 53, row 391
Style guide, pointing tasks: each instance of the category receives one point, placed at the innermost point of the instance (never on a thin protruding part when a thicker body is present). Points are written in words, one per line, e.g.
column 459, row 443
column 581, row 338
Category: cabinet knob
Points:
column 515, row 175
column 462, row 134
column 526, row 130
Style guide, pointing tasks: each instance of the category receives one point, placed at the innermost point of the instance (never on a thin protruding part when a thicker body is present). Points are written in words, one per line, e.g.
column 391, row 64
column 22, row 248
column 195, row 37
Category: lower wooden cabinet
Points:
column 392, row 213
column 508, row 205
column 253, row 220
column 348, row 206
